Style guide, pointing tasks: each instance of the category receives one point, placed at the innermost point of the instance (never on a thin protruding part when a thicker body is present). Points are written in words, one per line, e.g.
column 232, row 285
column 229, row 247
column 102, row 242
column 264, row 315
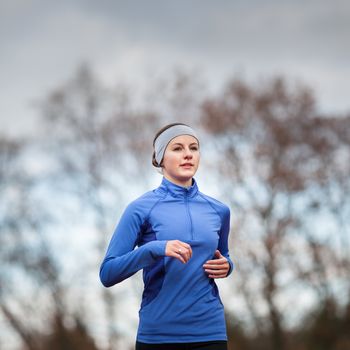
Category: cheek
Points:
column 169, row 160
column 197, row 157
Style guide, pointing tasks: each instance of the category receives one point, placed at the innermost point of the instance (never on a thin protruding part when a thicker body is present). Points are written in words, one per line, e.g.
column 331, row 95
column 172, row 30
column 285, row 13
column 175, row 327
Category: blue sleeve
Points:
column 122, row 259
column 223, row 240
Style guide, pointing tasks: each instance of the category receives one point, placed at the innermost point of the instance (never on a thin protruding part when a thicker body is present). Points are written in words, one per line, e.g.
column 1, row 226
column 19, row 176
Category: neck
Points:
column 179, row 182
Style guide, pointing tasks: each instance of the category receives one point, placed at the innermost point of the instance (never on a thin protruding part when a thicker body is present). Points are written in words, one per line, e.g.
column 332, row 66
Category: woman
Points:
column 181, row 236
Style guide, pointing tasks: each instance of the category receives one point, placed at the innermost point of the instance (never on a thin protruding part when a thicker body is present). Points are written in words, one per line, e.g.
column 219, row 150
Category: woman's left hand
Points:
column 217, row 268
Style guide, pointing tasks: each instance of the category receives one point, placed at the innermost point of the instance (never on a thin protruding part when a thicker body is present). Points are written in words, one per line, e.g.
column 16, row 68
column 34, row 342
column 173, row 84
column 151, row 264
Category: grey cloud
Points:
column 43, row 42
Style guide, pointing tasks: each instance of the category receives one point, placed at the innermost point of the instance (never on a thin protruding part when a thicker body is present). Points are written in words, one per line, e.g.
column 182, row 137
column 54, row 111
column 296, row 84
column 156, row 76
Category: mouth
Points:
column 187, row 165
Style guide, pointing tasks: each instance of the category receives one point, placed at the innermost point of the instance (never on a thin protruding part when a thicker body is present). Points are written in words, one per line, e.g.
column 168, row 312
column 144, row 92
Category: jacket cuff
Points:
column 232, row 267
column 157, row 248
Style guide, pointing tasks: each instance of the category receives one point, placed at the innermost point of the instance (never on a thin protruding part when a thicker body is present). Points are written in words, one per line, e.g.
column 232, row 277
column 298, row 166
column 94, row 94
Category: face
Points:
column 181, row 160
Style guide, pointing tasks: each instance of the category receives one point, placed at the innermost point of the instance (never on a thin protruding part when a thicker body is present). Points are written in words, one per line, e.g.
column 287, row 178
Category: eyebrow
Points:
column 181, row 144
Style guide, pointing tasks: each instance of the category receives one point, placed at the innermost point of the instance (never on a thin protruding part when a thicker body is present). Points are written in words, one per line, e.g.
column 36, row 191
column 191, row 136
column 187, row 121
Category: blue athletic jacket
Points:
column 180, row 303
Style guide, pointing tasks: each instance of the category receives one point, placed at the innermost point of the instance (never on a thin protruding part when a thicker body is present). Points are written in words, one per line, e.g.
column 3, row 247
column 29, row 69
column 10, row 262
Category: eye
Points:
column 177, row 149
column 194, row 148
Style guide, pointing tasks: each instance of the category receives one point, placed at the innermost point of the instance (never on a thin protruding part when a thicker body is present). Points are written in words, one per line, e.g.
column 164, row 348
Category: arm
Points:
column 223, row 240
column 221, row 266
column 122, row 260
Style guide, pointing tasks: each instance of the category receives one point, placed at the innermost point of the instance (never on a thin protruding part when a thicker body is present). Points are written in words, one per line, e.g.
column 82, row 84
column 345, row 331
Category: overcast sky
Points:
column 43, row 43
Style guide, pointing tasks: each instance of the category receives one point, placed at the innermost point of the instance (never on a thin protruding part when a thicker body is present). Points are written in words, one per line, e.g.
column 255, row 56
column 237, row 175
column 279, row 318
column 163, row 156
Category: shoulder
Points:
column 221, row 208
column 143, row 204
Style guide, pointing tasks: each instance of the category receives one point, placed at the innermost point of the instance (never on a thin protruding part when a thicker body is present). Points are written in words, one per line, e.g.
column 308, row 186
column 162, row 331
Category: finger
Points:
column 174, row 248
column 217, row 254
column 216, row 261
column 188, row 248
column 187, row 253
column 184, row 253
column 216, row 272
column 179, row 257
column 215, row 276
column 216, row 267
column 185, row 250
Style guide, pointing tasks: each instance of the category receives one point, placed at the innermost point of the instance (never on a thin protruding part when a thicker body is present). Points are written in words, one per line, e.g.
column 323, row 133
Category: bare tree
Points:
column 29, row 269
column 281, row 165
column 102, row 144
column 277, row 157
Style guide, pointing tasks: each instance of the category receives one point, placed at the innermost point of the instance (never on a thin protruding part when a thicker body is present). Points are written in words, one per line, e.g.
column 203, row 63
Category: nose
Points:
column 188, row 153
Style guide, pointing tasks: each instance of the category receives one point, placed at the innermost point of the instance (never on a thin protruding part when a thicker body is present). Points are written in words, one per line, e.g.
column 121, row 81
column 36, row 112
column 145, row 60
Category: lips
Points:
column 186, row 165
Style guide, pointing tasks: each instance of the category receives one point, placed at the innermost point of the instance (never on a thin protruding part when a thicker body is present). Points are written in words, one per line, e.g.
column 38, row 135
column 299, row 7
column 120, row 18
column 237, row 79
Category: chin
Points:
column 187, row 174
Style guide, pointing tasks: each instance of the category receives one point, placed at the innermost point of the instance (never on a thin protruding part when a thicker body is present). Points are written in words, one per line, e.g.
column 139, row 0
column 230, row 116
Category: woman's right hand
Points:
column 179, row 250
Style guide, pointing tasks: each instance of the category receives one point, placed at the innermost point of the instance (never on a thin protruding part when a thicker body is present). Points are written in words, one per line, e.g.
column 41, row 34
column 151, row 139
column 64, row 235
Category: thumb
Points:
column 217, row 254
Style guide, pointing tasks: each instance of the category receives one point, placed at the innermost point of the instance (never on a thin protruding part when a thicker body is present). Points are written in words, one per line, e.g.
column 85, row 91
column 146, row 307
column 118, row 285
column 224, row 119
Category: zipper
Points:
column 189, row 214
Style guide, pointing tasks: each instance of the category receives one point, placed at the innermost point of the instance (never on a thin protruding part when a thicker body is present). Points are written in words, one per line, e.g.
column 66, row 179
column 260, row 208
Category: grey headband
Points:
column 166, row 136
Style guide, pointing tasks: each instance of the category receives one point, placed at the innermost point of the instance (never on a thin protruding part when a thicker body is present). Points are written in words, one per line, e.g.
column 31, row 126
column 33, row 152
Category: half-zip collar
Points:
column 177, row 190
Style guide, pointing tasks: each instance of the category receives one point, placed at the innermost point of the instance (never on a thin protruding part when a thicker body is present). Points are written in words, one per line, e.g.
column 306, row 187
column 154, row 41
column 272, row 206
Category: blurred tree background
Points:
column 267, row 151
